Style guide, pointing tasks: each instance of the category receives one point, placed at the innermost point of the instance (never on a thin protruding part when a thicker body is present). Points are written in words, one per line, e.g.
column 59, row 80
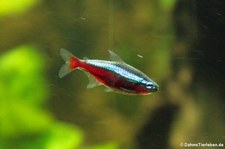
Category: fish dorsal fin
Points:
column 115, row 57
column 92, row 81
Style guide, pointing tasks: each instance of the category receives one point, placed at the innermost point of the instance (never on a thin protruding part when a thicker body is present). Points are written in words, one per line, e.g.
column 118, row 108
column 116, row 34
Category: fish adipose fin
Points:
column 115, row 57
column 85, row 58
column 71, row 63
column 92, row 81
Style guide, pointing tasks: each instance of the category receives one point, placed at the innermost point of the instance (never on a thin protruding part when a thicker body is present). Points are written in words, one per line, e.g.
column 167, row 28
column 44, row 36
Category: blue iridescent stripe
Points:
column 115, row 68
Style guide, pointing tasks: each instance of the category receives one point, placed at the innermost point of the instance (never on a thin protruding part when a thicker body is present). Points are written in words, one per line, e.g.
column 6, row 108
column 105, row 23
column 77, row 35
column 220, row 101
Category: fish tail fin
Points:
column 71, row 63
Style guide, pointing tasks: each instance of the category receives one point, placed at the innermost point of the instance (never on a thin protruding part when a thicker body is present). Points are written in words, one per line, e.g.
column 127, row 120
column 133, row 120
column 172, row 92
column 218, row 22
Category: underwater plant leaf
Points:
column 62, row 136
column 8, row 7
column 22, row 92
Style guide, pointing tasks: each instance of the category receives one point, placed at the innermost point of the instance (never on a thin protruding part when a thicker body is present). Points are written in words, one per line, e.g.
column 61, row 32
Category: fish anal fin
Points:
column 92, row 81
column 115, row 57
column 107, row 89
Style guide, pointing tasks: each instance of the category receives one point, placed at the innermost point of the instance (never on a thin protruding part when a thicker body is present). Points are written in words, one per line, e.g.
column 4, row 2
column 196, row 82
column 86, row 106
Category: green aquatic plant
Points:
column 24, row 123
column 15, row 7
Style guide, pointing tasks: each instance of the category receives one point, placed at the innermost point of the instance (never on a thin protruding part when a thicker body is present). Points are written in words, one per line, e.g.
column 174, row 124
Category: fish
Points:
column 115, row 75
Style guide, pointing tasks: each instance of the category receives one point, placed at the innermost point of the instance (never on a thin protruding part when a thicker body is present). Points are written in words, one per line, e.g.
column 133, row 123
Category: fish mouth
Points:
column 155, row 88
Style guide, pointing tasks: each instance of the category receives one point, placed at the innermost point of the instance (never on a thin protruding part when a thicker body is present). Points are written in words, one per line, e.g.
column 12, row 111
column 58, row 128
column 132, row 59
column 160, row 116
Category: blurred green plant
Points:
column 22, row 92
column 8, row 7
column 23, row 121
column 167, row 4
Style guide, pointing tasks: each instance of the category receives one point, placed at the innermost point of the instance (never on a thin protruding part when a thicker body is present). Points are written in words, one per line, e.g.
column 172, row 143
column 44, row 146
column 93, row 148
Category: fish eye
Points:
column 149, row 86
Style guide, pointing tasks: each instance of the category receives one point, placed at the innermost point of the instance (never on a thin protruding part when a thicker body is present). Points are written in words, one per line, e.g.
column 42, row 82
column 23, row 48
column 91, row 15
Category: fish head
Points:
column 149, row 86
column 152, row 86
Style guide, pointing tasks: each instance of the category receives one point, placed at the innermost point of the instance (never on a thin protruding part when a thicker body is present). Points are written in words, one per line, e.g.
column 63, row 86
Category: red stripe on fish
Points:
column 116, row 74
column 74, row 62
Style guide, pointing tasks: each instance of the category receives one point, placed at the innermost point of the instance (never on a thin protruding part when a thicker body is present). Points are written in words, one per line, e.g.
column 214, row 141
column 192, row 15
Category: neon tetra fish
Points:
column 116, row 75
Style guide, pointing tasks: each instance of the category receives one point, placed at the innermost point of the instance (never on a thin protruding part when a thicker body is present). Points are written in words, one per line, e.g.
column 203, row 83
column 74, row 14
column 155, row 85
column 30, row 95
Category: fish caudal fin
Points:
column 71, row 62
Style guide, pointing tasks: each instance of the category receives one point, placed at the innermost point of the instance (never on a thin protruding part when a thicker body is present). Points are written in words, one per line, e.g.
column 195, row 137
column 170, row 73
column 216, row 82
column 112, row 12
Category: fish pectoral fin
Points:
column 115, row 57
column 126, row 90
column 92, row 81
